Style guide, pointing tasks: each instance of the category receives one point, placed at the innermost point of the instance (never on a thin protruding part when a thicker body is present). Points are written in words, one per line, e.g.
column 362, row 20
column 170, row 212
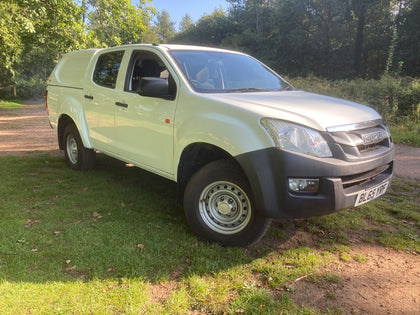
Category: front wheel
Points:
column 219, row 206
column 77, row 156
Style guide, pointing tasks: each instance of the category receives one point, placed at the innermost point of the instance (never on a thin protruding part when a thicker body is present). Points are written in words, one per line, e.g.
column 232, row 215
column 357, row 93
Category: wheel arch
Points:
column 194, row 157
column 63, row 121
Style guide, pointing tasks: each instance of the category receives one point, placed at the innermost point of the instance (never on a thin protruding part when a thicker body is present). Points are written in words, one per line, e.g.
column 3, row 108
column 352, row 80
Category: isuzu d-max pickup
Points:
column 242, row 144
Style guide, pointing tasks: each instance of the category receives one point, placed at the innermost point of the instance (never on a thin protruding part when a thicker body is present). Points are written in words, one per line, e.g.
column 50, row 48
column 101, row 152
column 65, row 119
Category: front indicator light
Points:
column 303, row 185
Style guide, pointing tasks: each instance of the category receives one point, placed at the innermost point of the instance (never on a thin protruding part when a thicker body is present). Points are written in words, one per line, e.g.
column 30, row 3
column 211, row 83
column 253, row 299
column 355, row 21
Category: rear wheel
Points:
column 77, row 156
column 219, row 206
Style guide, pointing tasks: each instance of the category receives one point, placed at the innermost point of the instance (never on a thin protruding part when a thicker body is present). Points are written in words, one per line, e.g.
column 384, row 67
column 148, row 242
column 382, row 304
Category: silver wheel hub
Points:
column 72, row 149
column 225, row 208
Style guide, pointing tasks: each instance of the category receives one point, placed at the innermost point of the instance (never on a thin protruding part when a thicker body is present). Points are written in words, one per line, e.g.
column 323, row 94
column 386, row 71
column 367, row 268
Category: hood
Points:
column 312, row 110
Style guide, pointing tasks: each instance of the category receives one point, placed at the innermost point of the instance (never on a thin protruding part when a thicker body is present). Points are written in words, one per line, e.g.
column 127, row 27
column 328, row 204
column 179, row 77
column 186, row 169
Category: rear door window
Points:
column 107, row 67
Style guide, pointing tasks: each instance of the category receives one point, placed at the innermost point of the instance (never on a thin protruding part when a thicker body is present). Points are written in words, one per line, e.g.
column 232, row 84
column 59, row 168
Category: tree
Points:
column 408, row 42
column 115, row 22
column 164, row 27
column 186, row 23
column 252, row 12
column 33, row 36
column 371, row 47
column 211, row 29
column 12, row 24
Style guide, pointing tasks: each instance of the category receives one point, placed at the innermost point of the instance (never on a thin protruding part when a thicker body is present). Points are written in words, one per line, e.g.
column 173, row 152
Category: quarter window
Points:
column 107, row 67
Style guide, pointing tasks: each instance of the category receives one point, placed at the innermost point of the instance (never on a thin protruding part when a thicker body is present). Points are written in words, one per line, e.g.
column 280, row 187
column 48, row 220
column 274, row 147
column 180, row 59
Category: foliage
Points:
column 211, row 29
column 115, row 22
column 392, row 97
column 164, row 27
column 34, row 34
column 186, row 23
column 331, row 38
column 62, row 251
column 12, row 23
column 334, row 39
column 408, row 44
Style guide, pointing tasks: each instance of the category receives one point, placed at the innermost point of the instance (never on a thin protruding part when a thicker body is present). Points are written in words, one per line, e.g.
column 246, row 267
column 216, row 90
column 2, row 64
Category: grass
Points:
column 114, row 240
column 406, row 132
column 11, row 104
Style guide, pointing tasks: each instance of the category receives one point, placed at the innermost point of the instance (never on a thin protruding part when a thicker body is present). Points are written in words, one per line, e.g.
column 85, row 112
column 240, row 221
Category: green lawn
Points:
column 114, row 240
column 12, row 104
column 406, row 132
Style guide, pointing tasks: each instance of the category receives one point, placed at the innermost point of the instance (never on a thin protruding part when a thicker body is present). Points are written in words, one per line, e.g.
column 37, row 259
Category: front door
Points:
column 145, row 125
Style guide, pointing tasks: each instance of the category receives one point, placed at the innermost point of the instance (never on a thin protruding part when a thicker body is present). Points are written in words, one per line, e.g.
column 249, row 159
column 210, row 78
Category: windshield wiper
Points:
column 246, row 90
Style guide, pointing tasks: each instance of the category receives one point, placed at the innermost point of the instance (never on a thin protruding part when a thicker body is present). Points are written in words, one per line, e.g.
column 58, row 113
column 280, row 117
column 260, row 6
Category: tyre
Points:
column 77, row 156
column 219, row 206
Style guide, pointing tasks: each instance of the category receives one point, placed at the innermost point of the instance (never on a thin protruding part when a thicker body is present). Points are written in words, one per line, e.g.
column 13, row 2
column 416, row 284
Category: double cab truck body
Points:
column 242, row 144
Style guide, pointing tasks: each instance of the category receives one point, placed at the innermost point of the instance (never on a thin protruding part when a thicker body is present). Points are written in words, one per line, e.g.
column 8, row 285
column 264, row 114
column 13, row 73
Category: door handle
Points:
column 89, row 97
column 121, row 104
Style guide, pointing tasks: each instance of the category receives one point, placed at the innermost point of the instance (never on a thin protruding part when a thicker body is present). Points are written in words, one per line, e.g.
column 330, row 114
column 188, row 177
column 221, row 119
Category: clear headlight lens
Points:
column 288, row 136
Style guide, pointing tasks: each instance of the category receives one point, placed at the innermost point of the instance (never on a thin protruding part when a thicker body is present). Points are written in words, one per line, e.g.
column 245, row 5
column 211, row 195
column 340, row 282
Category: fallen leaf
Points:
column 96, row 216
column 70, row 268
column 31, row 221
column 68, row 261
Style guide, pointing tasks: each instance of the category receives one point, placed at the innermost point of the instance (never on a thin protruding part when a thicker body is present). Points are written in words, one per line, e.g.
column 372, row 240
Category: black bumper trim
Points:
column 268, row 171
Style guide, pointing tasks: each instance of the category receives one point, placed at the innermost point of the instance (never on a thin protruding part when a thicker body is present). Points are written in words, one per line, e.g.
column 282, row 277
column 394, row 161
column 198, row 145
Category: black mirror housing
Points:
column 154, row 87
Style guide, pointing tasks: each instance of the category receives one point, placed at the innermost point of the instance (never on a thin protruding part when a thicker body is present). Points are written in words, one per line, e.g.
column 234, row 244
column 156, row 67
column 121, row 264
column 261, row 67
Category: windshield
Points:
column 224, row 72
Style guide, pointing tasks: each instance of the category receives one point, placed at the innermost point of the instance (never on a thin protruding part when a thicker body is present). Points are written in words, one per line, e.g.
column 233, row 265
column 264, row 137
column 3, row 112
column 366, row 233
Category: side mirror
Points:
column 153, row 87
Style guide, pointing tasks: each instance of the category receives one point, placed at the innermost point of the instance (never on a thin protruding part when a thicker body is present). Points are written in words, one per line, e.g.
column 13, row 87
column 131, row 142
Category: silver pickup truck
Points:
column 242, row 144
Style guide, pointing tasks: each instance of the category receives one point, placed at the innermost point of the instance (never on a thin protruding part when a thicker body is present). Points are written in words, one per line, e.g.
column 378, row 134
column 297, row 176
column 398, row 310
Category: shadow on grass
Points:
column 112, row 222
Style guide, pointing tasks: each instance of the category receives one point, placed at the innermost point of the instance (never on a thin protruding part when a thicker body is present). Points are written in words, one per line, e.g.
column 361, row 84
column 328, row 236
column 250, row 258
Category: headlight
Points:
column 288, row 136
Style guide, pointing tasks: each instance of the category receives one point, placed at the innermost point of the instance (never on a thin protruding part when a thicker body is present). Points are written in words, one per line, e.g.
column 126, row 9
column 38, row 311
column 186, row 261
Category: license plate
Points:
column 371, row 193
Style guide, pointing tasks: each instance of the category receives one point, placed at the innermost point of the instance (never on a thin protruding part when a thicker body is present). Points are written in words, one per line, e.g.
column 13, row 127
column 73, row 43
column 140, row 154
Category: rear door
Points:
column 99, row 100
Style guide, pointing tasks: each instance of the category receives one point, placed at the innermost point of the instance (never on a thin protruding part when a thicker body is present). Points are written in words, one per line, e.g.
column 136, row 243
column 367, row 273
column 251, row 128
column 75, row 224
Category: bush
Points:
column 393, row 98
column 34, row 87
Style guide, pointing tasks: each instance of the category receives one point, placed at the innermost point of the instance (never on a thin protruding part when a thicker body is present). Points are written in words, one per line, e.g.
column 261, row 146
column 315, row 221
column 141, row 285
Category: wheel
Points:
column 77, row 156
column 219, row 207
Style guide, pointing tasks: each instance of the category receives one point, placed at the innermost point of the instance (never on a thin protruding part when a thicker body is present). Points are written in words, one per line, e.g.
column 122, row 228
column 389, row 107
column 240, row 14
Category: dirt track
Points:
column 25, row 130
column 388, row 283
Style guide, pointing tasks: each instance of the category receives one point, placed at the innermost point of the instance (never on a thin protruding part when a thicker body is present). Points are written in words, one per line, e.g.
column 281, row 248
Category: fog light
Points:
column 303, row 185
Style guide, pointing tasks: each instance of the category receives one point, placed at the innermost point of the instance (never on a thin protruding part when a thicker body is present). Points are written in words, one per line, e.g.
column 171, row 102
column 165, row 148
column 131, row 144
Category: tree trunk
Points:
column 358, row 45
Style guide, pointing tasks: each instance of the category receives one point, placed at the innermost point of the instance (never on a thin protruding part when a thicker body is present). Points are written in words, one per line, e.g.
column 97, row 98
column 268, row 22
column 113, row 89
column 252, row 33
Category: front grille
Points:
column 372, row 146
column 361, row 143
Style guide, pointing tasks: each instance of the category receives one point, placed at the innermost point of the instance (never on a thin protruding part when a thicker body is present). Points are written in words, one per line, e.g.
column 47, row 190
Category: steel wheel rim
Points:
column 225, row 208
column 72, row 149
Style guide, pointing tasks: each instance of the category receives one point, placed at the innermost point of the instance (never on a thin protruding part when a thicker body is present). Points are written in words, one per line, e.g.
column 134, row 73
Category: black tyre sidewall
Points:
column 222, row 170
column 86, row 157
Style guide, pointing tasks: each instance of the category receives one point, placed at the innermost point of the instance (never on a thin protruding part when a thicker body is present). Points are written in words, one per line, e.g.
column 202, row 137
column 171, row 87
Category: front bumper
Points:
column 269, row 170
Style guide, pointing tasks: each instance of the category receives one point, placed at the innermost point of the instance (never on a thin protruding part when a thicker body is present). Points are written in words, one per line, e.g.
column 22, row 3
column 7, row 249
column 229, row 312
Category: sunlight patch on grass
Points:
column 12, row 104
